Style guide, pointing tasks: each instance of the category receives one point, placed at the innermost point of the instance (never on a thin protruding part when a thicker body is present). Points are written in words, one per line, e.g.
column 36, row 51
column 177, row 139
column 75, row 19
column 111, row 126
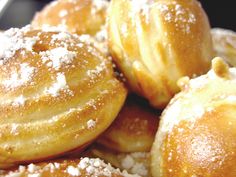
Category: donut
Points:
column 197, row 135
column 75, row 16
column 154, row 43
column 57, row 94
column 134, row 128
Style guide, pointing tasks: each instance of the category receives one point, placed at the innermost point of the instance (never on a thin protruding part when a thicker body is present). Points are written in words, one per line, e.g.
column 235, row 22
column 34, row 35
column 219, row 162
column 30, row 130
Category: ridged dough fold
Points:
column 57, row 94
column 154, row 43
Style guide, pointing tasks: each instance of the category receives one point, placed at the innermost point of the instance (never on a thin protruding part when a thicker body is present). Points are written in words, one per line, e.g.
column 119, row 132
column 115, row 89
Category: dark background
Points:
column 20, row 12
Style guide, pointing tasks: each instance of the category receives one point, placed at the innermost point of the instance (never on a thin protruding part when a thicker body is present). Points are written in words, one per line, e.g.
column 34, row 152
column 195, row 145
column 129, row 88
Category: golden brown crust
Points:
column 155, row 43
column 196, row 136
column 76, row 16
column 224, row 43
column 67, row 168
column 134, row 128
column 54, row 94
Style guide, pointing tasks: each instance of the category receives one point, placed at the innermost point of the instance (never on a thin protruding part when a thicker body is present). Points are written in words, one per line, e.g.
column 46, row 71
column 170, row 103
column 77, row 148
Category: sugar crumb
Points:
column 91, row 124
column 58, row 86
column 74, row 171
column 13, row 40
column 19, row 77
column 63, row 13
column 57, row 57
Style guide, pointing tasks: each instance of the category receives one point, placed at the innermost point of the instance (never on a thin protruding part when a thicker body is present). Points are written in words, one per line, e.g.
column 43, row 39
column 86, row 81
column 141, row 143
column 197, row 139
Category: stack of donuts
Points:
column 84, row 85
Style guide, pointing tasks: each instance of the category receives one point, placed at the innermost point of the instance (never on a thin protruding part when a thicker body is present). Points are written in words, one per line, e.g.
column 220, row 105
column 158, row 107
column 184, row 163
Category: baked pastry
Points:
column 197, row 135
column 134, row 163
column 55, row 93
column 134, row 128
column 83, row 17
column 75, row 16
column 67, row 168
column 154, row 43
column 224, row 43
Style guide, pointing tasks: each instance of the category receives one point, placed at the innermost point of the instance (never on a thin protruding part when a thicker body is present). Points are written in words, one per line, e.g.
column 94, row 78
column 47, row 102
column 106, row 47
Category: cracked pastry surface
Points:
column 93, row 167
column 196, row 136
column 154, row 43
column 55, row 93
column 134, row 128
column 75, row 16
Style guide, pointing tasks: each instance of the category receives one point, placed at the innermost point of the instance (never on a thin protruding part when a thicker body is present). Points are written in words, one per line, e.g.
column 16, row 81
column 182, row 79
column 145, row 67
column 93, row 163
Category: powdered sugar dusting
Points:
column 136, row 163
column 73, row 171
column 98, row 5
column 20, row 100
column 97, row 71
column 63, row 13
column 13, row 40
column 176, row 13
column 57, row 57
column 96, row 167
column 58, row 28
column 91, row 123
column 62, row 36
column 92, row 167
column 101, row 39
column 58, row 86
column 187, row 106
column 141, row 6
column 14, row 129
column 19, row 78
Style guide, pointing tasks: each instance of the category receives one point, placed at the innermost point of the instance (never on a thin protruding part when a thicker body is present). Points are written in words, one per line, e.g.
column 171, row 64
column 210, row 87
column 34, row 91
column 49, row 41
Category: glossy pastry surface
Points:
column 55, row 93
column 196, row 136
column 154, row 43
column 134, row 128
column 75, row 16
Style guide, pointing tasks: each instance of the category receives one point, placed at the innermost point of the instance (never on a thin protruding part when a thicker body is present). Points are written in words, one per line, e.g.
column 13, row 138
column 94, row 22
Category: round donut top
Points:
column 39, row 62
column 197, row 135
column 81, row 167
column 201, row 95
column 29, row 40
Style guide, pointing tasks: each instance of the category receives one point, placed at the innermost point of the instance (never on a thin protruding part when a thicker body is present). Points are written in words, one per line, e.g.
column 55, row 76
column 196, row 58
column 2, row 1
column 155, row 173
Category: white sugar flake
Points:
column 58, row 86
column 19, row 101
column 62, row 36
column 57, row 57
column 73, row 171
column 91, row 123
column 63, row 13
column 176, row 13
column 87, row 166
column 135, row 163
column 13, row 40
column 19, row 78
